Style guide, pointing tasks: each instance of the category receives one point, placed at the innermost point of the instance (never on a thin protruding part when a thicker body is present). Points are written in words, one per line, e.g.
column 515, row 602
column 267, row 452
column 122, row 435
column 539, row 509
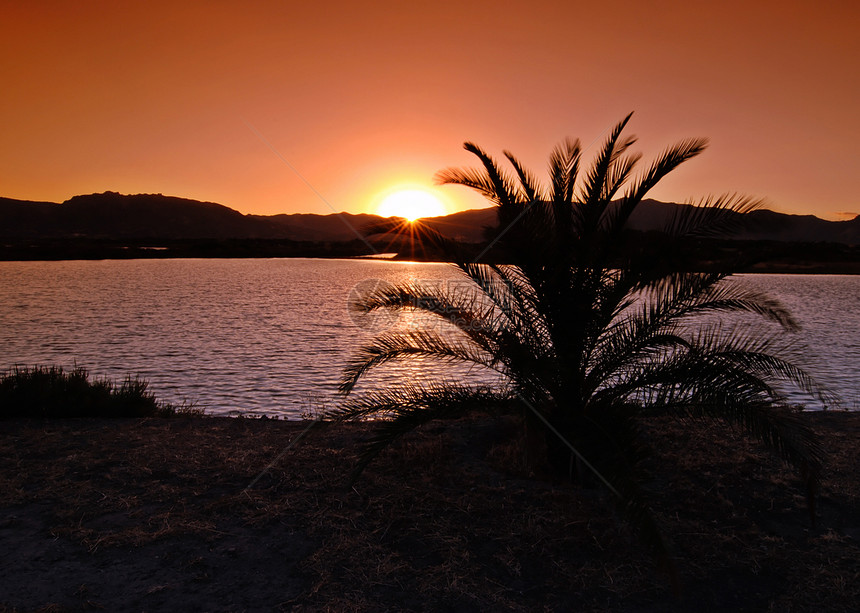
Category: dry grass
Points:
column 155, row 515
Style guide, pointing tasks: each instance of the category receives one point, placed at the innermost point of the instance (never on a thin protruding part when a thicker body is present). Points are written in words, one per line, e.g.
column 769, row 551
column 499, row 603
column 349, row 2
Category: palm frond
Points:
column 695, row 294
column 512, row 295
column 747, row 350
column 668, row 161
column 413, row 344
column 564, row 170
column 529, row 186
column 465, row 310
column 472, row 179
column 502, row 184
column 595, row 186
column 712, row 217
column 618, row 174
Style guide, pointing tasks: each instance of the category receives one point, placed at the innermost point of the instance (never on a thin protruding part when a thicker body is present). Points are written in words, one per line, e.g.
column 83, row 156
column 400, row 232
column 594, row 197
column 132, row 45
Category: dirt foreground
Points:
column 218, row 514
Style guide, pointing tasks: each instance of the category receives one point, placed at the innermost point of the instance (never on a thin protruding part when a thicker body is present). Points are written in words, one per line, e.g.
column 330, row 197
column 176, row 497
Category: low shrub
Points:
column 48, row 391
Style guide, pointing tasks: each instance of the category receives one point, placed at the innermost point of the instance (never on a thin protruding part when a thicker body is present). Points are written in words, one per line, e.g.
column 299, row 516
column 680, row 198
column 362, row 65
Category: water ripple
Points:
column 272, row 336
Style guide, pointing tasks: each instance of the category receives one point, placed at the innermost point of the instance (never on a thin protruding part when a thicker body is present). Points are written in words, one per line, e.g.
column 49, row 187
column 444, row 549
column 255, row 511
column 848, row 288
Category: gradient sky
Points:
column 272, row 107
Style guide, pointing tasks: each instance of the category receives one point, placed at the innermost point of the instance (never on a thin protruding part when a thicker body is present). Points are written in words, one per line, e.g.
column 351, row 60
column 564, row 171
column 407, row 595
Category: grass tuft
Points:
column 50, row 392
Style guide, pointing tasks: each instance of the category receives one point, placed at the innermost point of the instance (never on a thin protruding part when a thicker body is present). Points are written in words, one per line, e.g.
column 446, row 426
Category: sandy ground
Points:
column 158, row 515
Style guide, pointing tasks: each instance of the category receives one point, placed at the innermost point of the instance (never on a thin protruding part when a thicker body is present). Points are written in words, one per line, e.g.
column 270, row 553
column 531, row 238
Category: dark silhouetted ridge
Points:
column 114, row 216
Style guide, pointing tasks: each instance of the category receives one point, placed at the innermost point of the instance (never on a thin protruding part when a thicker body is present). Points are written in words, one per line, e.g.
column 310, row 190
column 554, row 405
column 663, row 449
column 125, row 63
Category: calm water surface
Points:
column 272, row 336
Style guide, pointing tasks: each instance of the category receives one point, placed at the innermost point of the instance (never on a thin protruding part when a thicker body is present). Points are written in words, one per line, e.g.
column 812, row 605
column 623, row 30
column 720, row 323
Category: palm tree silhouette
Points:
column 590, row 336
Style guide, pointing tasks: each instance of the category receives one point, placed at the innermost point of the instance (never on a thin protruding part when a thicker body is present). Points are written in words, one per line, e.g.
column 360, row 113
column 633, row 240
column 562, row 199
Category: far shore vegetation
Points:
column 51, row 392
column 753, row 256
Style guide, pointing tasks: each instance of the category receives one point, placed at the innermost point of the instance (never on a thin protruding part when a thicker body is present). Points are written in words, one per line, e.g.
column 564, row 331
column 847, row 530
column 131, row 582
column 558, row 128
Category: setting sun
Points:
column 411, row 204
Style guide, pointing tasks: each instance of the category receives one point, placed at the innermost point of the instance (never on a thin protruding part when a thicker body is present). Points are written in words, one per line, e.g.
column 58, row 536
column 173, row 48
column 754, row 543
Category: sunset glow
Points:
column 271, row 107
column 411, row 204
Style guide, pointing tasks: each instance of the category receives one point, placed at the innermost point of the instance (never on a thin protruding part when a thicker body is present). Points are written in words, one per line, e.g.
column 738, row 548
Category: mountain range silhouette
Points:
column 114, row 216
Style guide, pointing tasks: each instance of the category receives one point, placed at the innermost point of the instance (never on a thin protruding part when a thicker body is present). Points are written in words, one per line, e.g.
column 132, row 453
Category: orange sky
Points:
column 271, row 107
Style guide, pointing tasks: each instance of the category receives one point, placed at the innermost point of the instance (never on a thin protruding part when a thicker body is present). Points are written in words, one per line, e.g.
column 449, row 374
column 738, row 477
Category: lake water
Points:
column 272, row 336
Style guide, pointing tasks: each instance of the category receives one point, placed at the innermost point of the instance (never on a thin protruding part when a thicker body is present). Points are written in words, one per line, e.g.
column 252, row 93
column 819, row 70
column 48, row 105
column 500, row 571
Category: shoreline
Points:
column 824, row 269
column 766, row 257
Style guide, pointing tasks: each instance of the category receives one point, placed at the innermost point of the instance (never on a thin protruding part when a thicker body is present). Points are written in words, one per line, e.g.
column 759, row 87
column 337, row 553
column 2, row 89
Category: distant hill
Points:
column 110, row 215
column 763, row 225
column 466, row 226
column 114, row 216
column 322, row 228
